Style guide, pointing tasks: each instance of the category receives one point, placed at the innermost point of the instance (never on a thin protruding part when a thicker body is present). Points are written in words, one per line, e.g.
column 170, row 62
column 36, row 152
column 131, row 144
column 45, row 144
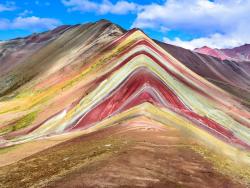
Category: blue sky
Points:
column 187, row 23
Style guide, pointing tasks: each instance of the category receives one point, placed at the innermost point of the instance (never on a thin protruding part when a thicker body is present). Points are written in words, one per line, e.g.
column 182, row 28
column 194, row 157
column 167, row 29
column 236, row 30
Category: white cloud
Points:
column 31, row 23
column 34, row 22
column 221, row 23
column 8, row 6
column 215, row 41
column 25, row 13
column 105, row 7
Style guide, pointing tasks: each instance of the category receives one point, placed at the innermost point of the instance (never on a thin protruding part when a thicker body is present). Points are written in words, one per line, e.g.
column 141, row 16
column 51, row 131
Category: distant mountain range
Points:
column 241, row 53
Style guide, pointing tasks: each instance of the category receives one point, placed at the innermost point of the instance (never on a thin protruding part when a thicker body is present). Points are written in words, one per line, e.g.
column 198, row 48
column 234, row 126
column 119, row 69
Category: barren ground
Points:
column 135, row 154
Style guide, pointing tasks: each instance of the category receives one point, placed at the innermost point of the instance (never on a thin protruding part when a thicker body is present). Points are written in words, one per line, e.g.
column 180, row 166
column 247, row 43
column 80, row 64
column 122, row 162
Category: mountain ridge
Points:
column 239, row 53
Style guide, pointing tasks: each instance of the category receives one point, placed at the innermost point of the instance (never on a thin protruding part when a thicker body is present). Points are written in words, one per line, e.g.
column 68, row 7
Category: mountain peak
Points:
column 210, row 51
column 103, row 21
column 240, row 53
column 204, row 47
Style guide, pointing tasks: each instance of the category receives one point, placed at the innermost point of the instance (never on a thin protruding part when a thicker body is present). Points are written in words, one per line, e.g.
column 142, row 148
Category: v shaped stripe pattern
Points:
column 133, row 72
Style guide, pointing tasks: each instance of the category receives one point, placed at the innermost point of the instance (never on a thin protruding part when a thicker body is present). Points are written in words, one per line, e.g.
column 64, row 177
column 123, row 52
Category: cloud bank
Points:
column 32, row 23
column 120, row 7
column 186, row 23
column 8, row 6
column 221, row 23
column 218, row 23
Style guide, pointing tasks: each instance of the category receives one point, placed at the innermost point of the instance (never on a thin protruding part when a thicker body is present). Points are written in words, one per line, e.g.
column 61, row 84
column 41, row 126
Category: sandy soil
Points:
column 139, row 153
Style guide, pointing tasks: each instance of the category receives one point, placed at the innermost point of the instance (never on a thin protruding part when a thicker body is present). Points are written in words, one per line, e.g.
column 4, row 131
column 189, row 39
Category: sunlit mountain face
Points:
column 95, row 105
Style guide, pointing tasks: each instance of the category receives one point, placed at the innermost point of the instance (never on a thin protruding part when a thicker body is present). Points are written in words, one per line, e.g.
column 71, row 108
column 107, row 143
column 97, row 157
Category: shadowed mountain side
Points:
column 233, row 77
column 27, row 58
column 241, row 53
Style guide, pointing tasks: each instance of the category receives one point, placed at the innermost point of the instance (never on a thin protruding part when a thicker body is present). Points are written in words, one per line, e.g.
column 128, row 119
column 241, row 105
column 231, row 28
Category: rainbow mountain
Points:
column 97, row 96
